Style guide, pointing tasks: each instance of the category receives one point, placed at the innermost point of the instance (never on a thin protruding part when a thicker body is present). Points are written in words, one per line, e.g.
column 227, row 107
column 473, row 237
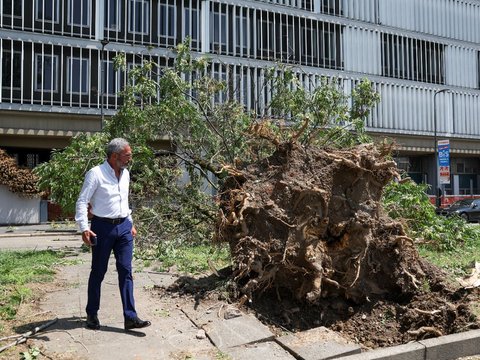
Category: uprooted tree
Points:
column 298, row 184
column 309, row 220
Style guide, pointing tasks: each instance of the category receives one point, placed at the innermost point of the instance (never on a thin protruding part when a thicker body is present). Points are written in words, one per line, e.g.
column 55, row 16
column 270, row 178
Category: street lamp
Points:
column 102, row 87
column 435, row 149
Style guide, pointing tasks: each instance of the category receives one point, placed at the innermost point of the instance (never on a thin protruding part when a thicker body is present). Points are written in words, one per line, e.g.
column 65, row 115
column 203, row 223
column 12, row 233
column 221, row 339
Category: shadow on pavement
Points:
column 69, row 323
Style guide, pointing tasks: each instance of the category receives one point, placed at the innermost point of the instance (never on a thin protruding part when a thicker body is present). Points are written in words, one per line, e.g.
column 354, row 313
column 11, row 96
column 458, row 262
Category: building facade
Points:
column 423, row 57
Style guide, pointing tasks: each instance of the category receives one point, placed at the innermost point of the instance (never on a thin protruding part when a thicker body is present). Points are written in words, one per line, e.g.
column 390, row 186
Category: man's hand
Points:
column 134, row 231
column 86, row 235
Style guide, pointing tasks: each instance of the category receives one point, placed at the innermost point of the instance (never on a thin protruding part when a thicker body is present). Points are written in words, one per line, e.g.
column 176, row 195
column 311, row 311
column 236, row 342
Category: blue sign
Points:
column 444, row 161
column 443, row 153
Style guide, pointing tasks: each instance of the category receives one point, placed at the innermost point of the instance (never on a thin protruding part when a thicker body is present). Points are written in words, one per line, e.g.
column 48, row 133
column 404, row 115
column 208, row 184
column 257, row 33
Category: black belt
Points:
column 109, row 220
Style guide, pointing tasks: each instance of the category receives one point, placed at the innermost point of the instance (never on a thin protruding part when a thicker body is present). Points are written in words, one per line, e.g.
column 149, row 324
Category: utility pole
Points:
column 435, row 148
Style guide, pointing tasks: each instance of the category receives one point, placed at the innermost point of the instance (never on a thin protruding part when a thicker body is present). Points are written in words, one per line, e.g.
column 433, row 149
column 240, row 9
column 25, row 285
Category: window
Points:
column 241, row 85
column 12, row 69
column 112, row 15
column 111, row 78
column 241, row 35
column 79, row 12
column 167, row 22
column 265, row 35
column 46, row 72
column 218, row 31
column 413, row 59
column 191, row 23
column 77, row 75
column 309, row 45
column 331, row 7
column 47, row 10
column 139, row 16
column 285, row 39
column 329, row 47
column 12, row 8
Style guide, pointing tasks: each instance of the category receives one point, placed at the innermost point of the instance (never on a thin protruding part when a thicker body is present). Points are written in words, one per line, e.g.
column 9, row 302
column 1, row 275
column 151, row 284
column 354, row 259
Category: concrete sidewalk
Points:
column 182, row 329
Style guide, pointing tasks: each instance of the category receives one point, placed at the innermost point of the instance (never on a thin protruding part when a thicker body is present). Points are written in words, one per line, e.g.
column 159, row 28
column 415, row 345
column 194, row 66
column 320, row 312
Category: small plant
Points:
column 162, row 313
column 31, row 354
column 426, row 286
column 222, row 356
column 387, row 317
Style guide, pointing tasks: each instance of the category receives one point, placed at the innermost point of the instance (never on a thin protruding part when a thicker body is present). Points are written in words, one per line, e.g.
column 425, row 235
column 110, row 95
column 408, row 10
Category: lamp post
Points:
column 435, row 149
column 102, row 78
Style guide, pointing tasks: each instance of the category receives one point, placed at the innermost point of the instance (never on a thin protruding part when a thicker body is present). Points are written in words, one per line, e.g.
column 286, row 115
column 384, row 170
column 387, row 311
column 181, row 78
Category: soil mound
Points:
column 305, row 226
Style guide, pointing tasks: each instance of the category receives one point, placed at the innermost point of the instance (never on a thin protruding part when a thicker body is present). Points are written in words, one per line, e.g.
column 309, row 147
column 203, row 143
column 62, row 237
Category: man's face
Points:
column 123, row 158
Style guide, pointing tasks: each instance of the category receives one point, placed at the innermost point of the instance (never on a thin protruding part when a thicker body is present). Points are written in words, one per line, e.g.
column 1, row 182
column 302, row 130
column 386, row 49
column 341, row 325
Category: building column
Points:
column 99, row 25
column 205, row 28
column 317, row 6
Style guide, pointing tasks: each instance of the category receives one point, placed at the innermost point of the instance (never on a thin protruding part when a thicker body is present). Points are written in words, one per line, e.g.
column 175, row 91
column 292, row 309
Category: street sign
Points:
column 444, row 161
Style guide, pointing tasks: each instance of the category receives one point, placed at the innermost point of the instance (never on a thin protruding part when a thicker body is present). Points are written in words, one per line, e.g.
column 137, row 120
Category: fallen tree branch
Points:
column 23, row 337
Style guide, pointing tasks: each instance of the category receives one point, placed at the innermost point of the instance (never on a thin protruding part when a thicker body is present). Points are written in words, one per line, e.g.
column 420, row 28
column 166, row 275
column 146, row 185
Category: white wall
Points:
column 18, row 210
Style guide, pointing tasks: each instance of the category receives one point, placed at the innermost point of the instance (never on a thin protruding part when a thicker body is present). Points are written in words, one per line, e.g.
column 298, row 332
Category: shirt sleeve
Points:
column 81, row 209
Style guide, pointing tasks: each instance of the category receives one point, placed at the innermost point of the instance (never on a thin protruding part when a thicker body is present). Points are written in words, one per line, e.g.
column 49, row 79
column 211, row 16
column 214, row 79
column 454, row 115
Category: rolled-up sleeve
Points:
column 81, row 209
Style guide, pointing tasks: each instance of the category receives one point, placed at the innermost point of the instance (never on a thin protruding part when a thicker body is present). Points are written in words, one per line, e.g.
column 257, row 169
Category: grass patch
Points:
column 457, row 262
column 19, row 268
column 192, row 259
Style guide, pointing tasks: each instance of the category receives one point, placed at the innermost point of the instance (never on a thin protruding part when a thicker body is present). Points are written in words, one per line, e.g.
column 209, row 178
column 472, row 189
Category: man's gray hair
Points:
column 115, row 146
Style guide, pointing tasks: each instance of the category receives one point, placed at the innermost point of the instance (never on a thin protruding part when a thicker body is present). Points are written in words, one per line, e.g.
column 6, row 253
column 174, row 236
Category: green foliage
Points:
column 187, row 257
column 196, row 117
column 31, row 354
column 62, row 176
column 409, row 203
column 322, row 114
column 17, row 270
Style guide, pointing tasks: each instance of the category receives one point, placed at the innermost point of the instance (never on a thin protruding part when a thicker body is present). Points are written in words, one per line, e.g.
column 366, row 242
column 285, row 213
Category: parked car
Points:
column 469, row 209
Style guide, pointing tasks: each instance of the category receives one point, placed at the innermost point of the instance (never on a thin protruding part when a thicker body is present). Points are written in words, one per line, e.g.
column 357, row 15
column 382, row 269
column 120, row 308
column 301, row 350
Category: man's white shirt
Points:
column 107, row 195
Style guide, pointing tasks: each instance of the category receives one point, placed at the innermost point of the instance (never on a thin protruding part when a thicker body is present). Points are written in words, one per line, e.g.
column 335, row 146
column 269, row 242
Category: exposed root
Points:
column 425, row 312
column 425, row 330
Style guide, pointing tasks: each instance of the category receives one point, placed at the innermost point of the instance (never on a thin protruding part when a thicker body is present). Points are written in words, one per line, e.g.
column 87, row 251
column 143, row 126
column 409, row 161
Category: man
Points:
column 106, row 190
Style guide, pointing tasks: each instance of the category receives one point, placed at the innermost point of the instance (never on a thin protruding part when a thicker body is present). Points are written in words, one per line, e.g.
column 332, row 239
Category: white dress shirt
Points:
column 107, row 195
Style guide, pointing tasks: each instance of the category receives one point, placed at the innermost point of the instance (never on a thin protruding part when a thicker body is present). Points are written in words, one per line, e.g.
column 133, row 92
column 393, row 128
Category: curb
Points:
column 44, row 233
column 448, row 347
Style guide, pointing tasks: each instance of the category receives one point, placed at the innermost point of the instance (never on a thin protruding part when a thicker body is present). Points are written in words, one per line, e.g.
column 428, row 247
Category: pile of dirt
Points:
column 20, row 181
column 307, row 232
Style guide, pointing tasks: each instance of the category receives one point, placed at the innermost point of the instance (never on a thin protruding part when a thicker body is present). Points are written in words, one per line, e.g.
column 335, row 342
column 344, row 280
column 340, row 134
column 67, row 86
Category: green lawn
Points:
column 17, row 270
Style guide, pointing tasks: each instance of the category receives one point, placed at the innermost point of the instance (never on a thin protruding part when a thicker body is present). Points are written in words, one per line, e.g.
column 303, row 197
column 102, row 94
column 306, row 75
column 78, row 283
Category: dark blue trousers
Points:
column 119, row 239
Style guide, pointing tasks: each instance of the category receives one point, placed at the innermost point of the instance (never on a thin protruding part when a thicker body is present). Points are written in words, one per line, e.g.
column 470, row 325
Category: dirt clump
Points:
column 306, row 230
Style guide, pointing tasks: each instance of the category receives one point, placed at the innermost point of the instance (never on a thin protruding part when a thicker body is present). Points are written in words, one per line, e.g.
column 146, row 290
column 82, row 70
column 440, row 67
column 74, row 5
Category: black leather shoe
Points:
column 136, row 323
column 92, row 322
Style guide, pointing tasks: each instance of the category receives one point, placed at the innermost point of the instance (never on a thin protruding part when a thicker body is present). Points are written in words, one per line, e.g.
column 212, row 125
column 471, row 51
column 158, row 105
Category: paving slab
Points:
column 172, row 335
column 201, row 314
column 318, row 344
column 242, row 330
column 264, row 350
column 452, row 346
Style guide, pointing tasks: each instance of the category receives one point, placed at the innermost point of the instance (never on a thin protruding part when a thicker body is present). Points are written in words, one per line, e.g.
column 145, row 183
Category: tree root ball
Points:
column 310, row 220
